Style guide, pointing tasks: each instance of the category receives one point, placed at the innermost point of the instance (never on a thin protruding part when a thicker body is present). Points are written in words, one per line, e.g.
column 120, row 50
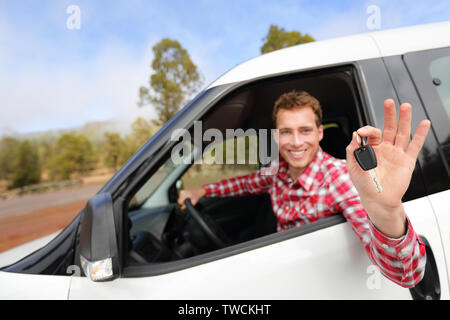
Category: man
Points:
column 311, row 184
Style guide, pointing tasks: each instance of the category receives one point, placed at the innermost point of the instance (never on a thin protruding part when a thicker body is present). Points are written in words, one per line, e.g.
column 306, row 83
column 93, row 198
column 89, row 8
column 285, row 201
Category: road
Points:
column 33, row 216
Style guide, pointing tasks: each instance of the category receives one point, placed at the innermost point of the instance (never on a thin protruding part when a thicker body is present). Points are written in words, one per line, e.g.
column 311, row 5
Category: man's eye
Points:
column 284, row 132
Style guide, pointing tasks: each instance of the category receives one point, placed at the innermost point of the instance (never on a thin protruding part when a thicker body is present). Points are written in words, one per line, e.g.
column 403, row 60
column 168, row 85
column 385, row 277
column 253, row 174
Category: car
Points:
column 132, row 240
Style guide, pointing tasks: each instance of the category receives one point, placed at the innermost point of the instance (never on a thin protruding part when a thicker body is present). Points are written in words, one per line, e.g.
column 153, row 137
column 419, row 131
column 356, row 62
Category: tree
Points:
column 8, row 147
column 73, row 153
column 174, row 81
column 45, row 148
column 27, row 169
column 278, row 38
column 113, row 149
column 141, row 131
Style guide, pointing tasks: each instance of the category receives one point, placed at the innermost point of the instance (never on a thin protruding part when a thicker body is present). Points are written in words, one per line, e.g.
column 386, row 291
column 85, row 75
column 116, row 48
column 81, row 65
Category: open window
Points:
column 160, row 232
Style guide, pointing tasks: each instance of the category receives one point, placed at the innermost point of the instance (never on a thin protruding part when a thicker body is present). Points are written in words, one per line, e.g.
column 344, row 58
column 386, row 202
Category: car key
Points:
column 365, row 155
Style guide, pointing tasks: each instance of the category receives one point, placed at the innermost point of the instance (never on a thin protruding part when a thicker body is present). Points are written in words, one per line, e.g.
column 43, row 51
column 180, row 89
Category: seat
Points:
column 336, row 137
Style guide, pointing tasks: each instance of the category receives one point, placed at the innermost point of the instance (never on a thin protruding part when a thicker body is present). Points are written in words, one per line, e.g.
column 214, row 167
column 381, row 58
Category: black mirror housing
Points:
column 98, row 242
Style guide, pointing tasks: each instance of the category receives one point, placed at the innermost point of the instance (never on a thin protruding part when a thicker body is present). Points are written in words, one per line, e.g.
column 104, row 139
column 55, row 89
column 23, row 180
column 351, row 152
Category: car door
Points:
column 322, row 260
column 18, row 286
column 430, row 72
column 326, row 264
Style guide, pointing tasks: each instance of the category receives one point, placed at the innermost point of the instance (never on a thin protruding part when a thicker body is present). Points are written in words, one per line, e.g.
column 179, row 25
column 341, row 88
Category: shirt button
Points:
column 385, row 246
column 287, row 208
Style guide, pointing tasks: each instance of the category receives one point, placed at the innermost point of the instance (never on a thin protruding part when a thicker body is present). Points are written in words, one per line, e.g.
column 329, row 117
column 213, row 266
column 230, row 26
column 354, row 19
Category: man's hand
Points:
column 396, row 158
column 194, row 194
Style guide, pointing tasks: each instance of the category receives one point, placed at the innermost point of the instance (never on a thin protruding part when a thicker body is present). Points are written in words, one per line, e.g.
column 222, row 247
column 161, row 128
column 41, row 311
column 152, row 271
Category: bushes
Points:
column 26, row 166
column 25, row 162
column 73, row 153
column 19, row 162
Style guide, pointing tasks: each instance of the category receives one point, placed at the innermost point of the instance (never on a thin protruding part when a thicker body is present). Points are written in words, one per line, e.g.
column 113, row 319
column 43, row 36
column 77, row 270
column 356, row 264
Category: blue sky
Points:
column 52, row 77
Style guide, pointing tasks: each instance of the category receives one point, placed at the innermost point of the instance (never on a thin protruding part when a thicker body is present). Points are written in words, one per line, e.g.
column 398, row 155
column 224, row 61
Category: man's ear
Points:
column 320, row 132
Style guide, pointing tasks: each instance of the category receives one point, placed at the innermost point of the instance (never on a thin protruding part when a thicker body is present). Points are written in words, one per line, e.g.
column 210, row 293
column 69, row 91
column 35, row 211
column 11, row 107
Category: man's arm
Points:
column 394, row 246
column 255, row 183
column 401, row 260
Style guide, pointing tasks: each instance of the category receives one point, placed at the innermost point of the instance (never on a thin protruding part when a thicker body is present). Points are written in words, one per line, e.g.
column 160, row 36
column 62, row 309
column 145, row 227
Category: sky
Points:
column 65, row 63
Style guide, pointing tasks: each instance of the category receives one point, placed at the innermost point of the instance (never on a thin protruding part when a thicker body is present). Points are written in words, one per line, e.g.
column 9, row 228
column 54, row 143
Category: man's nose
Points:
column 297, row 140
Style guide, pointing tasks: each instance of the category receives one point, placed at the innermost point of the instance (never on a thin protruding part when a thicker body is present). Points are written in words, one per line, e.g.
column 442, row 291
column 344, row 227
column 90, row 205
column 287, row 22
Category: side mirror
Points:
column 98, row 243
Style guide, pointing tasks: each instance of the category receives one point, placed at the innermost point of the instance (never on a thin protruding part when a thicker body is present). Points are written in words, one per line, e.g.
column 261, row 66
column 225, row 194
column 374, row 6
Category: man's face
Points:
column 299, row 137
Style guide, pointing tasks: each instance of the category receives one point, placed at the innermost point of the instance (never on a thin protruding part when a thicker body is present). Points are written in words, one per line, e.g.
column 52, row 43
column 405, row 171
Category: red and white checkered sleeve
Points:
column 400, row 260
column 255, row 183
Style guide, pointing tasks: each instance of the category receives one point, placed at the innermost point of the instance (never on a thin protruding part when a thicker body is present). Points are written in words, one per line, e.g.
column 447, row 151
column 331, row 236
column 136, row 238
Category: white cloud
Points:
column 100, row 80
column 38, row 94
column 68, row 95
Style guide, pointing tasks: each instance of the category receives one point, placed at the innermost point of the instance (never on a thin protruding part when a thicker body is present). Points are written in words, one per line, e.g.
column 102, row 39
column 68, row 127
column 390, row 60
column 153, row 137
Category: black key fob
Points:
column 366, row 158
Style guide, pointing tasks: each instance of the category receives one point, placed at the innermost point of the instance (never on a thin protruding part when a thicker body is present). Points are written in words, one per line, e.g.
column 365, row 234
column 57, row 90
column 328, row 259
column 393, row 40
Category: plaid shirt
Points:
column 324, row 189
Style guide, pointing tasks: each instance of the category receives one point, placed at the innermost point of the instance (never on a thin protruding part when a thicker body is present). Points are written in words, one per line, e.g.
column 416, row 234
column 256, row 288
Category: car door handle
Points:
column 429, row 288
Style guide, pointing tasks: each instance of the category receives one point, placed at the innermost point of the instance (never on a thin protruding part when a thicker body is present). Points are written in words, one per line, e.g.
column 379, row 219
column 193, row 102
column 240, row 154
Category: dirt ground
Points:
column 17, row 230
column 29, row 217
column 33, row 216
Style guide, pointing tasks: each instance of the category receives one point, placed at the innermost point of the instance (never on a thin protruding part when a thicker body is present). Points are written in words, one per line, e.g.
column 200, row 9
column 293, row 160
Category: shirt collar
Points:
column 306, row 179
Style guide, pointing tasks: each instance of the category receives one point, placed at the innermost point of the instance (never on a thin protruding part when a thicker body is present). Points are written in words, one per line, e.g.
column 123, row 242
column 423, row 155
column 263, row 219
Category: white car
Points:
column 133, row 241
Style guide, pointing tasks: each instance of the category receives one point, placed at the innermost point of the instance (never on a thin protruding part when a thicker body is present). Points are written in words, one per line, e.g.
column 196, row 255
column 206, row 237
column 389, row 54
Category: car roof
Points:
column 340, row 50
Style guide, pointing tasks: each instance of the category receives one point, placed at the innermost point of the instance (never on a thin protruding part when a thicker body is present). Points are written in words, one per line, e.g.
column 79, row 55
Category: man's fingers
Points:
column 353, row 145
column 390, row 121
column 404, row 126
column 419, row 138
column 181, row 203
column 373, row 135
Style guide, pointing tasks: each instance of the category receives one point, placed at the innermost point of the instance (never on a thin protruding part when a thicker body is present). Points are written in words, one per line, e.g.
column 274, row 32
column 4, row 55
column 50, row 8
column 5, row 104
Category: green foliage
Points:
column 174, row 81
column 113, row 150
column 73, row 153
column 8, row 147
column 45, row 148
column 141, row 131
column 26, row 165
column 278, row 38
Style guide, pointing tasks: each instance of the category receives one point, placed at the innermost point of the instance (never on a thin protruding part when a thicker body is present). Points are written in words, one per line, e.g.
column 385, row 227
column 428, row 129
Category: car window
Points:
column 430, row 71
column 225, row 159
column 160, row 231
column 440, row 74
column 149, row 188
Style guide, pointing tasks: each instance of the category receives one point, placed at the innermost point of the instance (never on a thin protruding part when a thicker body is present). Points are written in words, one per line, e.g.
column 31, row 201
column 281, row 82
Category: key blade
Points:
column 375, row 180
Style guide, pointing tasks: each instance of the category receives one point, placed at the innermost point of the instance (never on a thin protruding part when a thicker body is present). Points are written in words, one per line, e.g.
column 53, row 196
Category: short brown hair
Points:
column 297, row 99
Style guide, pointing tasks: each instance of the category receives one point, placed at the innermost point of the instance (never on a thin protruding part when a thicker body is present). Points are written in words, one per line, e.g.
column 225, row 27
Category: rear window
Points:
column 430, row 71
column 440, row 74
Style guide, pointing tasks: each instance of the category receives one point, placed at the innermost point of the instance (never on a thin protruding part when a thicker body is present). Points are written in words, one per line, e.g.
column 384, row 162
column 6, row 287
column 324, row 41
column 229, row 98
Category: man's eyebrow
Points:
column 301, row 127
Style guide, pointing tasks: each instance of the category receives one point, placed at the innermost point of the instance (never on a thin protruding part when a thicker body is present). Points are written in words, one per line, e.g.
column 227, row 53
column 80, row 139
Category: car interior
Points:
column 159, row 231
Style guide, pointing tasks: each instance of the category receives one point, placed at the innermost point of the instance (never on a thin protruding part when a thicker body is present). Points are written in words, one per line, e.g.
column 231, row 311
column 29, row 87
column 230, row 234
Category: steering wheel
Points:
column 208, row 226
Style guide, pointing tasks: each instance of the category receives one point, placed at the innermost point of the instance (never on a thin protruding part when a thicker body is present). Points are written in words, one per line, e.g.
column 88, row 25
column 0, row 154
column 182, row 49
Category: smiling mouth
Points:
column 297, row 154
